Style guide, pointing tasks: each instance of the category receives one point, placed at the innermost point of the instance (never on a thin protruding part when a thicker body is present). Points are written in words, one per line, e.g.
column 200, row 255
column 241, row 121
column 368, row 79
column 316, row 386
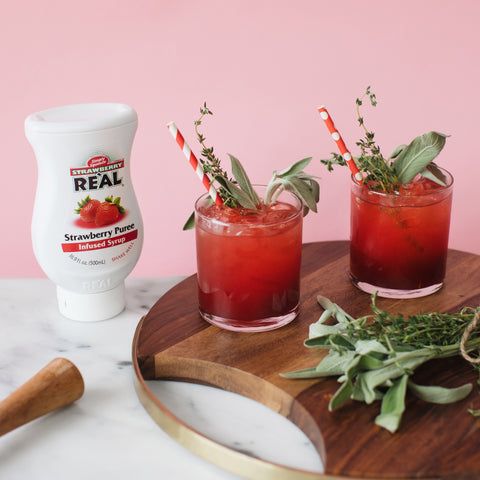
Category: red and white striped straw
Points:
column 347, row 156
column 196, row 165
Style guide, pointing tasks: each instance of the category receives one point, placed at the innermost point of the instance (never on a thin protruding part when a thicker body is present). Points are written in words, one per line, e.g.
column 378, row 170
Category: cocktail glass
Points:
column 249, row 263
column 399, row 242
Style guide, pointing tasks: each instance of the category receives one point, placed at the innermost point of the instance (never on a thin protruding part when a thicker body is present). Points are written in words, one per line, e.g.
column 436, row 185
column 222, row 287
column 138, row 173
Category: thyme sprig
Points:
column 415, row 331
column 379, row 172
column 404, row 163
column 376, row 355
column 211, row 163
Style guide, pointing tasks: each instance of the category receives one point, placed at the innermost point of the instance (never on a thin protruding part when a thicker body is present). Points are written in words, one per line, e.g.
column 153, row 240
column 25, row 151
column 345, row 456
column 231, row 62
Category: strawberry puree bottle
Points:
column 87, row 230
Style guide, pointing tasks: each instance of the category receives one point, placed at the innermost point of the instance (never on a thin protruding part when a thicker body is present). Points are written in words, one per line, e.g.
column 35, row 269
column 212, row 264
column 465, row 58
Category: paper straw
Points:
column 347, row 156
column 196, row 165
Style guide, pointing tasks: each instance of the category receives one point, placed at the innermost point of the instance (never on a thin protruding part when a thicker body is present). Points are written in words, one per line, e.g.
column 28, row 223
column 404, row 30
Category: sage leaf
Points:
column 368, row 393
column 439, row 395
column 240, row 196
column 330, row 341
column 300, row 188
column 364, row 347
column 332, row 309
column 357, row 394
column 319, row 342
column 320, row 330
column 342, row 395
column 417, row 155
column 274, row 188
column 327, row 305
column 306, row 373
column 243, row 181
column 432, row 172
column 335, row 362
column 394, row 368
column 190, row 223
column 332, row 364
column 295, row 180
column 393, row 405
column 314, row 187
column 370, row 362
column 297, row 167
column 396, row 152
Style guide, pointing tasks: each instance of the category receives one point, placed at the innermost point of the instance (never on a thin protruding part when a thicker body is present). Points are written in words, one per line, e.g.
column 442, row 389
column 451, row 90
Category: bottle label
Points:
column 99, row 213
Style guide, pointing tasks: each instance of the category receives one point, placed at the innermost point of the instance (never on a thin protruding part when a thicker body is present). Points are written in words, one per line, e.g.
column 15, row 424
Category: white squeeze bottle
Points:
column 87, row 230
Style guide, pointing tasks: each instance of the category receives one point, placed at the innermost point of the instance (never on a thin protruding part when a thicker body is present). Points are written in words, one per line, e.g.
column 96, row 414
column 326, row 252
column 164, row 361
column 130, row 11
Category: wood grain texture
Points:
column 442, row 441
column 56, row 385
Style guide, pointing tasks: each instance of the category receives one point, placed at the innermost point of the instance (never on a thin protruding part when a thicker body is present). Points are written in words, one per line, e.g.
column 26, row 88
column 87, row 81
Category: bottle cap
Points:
column 81, row 118
column 91, row 307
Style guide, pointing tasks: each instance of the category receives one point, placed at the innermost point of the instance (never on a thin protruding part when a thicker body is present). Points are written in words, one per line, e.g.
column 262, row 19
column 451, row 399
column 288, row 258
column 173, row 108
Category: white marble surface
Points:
column 107, row 433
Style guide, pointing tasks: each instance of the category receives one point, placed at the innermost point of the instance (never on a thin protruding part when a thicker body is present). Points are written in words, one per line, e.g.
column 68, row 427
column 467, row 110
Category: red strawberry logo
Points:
column 104, row 213
column 87, row 209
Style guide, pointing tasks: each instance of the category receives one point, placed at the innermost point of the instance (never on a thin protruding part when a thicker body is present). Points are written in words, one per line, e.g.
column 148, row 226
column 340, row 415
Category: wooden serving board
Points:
column 434, row 441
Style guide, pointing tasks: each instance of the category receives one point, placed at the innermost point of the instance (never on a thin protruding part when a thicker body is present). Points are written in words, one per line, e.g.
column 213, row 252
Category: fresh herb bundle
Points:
column 237, row 191
column 404, row 163
column 375, row 356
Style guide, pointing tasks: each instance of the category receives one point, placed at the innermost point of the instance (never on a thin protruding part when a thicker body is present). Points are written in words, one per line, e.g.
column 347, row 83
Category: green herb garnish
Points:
column 211, row 163
column 237, row 191
column 402, row 166
column 375, row 356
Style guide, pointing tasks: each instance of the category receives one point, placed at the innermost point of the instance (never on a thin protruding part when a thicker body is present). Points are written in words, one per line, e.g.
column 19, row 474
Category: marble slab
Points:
column 107, row 434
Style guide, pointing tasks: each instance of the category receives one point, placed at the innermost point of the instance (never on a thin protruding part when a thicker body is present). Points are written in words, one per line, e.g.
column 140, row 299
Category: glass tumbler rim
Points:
column 202, row 201
column 440, row 189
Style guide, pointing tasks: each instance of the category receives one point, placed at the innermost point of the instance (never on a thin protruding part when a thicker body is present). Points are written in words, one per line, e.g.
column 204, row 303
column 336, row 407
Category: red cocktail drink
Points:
column 399, row 241
column 249, row 263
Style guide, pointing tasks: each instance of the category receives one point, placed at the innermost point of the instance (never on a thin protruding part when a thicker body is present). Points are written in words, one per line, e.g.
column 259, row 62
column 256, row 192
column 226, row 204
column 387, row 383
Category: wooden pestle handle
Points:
column 57, row 384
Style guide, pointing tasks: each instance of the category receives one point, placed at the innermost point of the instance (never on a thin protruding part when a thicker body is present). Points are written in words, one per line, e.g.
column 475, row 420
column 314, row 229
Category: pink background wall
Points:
column 263, row 67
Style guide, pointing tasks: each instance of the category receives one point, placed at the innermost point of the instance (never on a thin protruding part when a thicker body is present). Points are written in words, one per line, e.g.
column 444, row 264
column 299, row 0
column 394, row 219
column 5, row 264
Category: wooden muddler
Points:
column 56, row 385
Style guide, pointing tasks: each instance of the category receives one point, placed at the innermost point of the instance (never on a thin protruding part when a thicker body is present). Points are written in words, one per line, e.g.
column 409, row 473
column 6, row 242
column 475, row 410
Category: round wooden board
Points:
column 434, row 441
